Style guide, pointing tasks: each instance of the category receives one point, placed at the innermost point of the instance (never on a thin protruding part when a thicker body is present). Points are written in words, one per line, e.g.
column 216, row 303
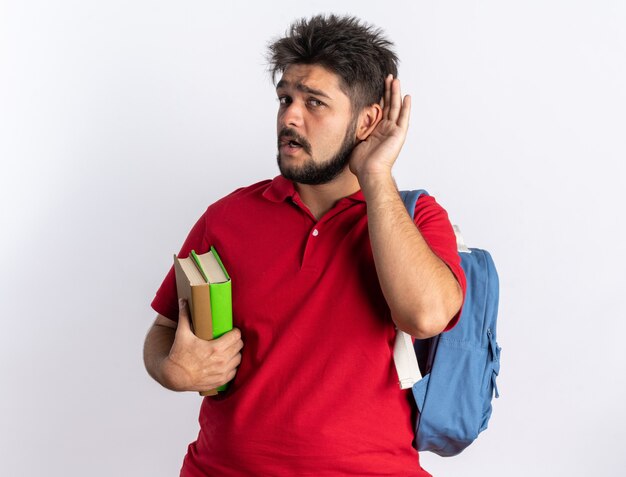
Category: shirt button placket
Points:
column 309, row 250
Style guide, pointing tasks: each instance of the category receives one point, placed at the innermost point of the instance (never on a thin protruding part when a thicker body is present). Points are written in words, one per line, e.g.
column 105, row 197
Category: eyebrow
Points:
column 304, row 88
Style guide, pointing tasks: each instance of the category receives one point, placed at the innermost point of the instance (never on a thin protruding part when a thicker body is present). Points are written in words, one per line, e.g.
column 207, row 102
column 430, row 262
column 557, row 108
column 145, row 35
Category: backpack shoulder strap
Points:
column 410, row 197
column 403, row 352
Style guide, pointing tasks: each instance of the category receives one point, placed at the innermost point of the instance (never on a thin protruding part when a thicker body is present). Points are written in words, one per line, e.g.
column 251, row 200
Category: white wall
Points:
column 120, row 121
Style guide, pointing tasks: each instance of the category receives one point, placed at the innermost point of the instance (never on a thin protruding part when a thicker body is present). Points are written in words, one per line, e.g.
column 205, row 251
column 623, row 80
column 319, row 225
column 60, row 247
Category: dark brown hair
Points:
column 357, row 52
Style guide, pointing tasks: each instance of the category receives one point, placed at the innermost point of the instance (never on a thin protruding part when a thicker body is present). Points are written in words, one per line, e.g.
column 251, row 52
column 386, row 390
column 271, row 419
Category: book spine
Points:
column 201, row 311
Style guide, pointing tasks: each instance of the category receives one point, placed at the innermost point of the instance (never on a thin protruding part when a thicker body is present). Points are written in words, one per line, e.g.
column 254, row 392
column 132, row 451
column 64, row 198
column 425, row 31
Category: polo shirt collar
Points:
column 280, row 189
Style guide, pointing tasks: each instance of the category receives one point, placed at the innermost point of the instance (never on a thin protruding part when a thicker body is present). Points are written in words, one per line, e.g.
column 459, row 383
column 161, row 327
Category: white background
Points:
column 120, row 121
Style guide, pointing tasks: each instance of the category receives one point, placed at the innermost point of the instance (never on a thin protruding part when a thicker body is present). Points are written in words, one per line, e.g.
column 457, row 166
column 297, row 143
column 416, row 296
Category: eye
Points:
column 315, row 102
column 282, row 100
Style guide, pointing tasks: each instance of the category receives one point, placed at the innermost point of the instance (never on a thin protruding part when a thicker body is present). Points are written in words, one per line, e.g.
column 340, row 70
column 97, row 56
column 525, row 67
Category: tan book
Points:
column 203, row 281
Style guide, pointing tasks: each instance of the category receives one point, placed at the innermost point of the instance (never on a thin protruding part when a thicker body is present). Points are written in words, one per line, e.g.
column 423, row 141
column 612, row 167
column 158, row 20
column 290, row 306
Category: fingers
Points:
column 395, row 102
column 229, row 344
column 395, row 106
column 225, row 358
column 183, row 314
column 395, row 109
column 198, row 365
column 230, row 369
column 184, row 321
column 405, row 113
column 387, row 96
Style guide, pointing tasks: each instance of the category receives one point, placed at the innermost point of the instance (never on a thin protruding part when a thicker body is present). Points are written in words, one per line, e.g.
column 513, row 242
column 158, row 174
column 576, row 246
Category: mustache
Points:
column 291, row 134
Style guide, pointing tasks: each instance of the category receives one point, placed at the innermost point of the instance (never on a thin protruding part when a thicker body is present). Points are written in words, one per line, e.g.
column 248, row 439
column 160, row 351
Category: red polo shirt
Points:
column 316, row 392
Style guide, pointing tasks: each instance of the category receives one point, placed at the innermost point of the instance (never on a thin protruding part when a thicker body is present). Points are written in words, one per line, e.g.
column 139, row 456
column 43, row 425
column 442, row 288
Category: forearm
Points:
column 157, row 346
column 180, row 361
column 422, row 293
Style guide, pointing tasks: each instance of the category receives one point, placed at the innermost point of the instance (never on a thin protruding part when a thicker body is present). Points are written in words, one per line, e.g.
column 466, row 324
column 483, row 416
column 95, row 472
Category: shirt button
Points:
column 315, row 232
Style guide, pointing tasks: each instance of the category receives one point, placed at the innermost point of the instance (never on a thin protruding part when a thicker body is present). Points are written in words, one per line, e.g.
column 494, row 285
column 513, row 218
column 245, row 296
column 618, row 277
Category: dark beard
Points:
column 312, row 173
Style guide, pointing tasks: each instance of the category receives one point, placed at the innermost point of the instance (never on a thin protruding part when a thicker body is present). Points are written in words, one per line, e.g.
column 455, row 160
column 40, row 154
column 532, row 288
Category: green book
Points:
column 204, row 282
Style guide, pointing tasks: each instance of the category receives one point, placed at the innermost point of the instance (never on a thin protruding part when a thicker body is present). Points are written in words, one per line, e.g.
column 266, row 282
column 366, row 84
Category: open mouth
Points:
column 290, row 141
column 290, row 144
column 286, row 141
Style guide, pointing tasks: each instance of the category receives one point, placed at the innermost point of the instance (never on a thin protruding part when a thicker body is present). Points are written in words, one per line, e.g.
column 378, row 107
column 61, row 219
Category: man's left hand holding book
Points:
column 179, row 360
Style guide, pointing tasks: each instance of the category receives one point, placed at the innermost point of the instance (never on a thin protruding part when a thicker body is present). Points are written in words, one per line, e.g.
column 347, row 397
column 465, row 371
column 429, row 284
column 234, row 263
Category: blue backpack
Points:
column 453, row 375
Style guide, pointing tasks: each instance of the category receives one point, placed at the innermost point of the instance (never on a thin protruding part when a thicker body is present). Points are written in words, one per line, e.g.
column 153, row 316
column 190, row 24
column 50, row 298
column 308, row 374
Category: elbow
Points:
column 422, row 327
column 432, row 320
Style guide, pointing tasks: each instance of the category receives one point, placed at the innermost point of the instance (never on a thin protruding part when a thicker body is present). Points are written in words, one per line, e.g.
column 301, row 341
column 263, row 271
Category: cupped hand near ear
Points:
column 379, row 151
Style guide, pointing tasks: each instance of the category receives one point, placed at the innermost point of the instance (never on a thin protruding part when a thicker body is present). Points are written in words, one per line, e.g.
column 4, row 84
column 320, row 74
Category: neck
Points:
column 321, row 198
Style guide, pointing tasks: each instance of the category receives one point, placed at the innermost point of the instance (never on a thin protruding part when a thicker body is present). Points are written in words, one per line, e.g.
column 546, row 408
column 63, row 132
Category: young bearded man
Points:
column 326, row 263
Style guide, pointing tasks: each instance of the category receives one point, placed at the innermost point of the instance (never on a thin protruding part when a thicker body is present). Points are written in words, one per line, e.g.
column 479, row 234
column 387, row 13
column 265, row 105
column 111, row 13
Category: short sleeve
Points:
column 432, row 221
column 166, row 300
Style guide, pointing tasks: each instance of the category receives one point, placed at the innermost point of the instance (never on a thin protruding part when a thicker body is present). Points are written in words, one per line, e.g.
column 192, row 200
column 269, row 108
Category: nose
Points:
column 290, row 115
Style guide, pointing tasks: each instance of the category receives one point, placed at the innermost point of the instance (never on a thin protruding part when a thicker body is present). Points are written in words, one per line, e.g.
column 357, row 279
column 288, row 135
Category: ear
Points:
column 369, row 117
